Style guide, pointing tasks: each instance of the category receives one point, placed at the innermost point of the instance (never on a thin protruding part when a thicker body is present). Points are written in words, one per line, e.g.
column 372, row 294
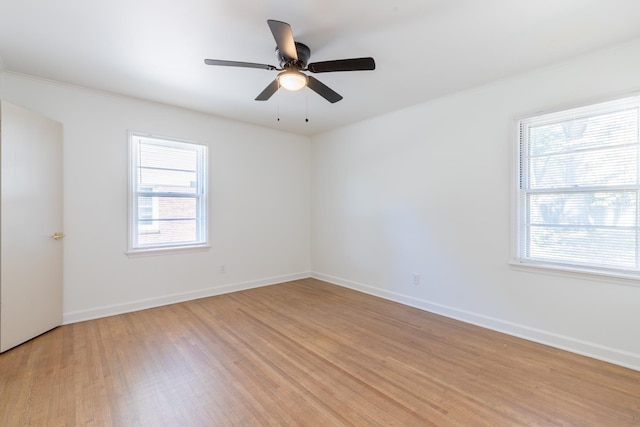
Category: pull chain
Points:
column 278, row 95
column 306, row 115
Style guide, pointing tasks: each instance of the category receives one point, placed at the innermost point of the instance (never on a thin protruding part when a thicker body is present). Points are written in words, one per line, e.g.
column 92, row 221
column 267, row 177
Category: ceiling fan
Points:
column 293, row 57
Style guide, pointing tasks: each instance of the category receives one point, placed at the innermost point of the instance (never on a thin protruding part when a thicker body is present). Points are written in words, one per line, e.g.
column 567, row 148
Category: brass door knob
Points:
column 57, row 235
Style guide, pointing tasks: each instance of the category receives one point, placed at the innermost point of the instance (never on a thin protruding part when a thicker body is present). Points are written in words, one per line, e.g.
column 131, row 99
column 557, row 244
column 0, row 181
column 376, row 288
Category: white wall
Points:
column 429, row 190
column 259, row 204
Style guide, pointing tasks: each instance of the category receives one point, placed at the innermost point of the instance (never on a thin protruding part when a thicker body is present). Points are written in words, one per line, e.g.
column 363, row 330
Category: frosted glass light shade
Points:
column 292, row 80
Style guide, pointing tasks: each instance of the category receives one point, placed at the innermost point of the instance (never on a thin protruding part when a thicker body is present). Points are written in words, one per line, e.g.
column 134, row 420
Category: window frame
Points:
column 520, row 212
column 201, row 196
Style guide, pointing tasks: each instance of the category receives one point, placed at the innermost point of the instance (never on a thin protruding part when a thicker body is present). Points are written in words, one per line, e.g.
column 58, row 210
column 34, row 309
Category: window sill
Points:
column 135, row 253
column 607, row 276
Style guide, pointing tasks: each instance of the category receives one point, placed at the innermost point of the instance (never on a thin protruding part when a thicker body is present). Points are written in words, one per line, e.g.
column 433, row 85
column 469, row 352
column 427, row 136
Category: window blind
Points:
column 168, row 193
column 578, row 187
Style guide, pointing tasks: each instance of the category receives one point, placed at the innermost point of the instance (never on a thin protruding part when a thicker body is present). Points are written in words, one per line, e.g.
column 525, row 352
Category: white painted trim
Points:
column 165, row 250
column 607, row 277
column 111, row 310
column 589, row 349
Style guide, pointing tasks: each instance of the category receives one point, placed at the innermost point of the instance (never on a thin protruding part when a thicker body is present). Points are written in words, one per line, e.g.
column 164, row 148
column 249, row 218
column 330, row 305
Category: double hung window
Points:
column 168, row 194
column 578, row 189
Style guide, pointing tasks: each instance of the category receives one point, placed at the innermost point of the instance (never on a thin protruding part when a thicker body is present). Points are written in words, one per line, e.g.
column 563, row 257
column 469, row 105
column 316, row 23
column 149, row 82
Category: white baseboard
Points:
column 111, row 310
column 593, row 350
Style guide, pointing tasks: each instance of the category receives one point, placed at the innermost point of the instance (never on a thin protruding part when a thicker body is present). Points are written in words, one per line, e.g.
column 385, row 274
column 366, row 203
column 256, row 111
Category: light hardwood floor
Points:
column 303, row 353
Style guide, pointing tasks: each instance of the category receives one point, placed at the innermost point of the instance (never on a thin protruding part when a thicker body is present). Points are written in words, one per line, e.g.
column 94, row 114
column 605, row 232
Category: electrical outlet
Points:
column 223, row 269
column 415, row 279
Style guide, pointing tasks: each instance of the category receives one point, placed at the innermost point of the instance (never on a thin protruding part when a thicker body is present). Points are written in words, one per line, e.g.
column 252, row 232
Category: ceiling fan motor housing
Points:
column 303, row 57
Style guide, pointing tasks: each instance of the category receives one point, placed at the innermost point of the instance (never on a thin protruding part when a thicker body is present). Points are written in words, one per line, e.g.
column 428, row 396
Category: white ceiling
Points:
column 154, row 49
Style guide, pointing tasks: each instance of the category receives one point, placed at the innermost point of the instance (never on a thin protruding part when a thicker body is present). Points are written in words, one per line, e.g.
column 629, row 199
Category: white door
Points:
column 30, row 215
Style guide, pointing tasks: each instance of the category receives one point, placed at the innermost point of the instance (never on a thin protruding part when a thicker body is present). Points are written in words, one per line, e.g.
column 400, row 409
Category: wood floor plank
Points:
column 303, row 353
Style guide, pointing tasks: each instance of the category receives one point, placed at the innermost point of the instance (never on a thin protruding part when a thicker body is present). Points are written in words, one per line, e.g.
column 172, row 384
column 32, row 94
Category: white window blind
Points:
column 167, row 193
column 578, row 188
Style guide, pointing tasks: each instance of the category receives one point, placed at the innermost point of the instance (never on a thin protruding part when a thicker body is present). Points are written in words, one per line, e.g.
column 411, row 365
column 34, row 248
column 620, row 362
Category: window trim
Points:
column 203, row 205
column 607, row 274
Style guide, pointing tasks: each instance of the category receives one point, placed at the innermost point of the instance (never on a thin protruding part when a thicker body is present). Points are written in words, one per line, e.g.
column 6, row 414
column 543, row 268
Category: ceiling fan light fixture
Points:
column 292, row 80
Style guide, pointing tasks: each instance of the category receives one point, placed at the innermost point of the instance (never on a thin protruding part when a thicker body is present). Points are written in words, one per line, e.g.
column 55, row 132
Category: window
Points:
column 579, row 188
column 168, row 194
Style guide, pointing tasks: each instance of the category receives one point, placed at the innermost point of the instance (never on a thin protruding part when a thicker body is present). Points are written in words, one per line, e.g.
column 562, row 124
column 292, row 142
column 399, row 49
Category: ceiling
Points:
column 154, row 49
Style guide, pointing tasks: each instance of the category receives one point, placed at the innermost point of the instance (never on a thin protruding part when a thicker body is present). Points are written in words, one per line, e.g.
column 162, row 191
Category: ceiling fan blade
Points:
column 239, row 64
column 353, row 64
column 268, row 91
column 284, row 39
column 323, row 90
